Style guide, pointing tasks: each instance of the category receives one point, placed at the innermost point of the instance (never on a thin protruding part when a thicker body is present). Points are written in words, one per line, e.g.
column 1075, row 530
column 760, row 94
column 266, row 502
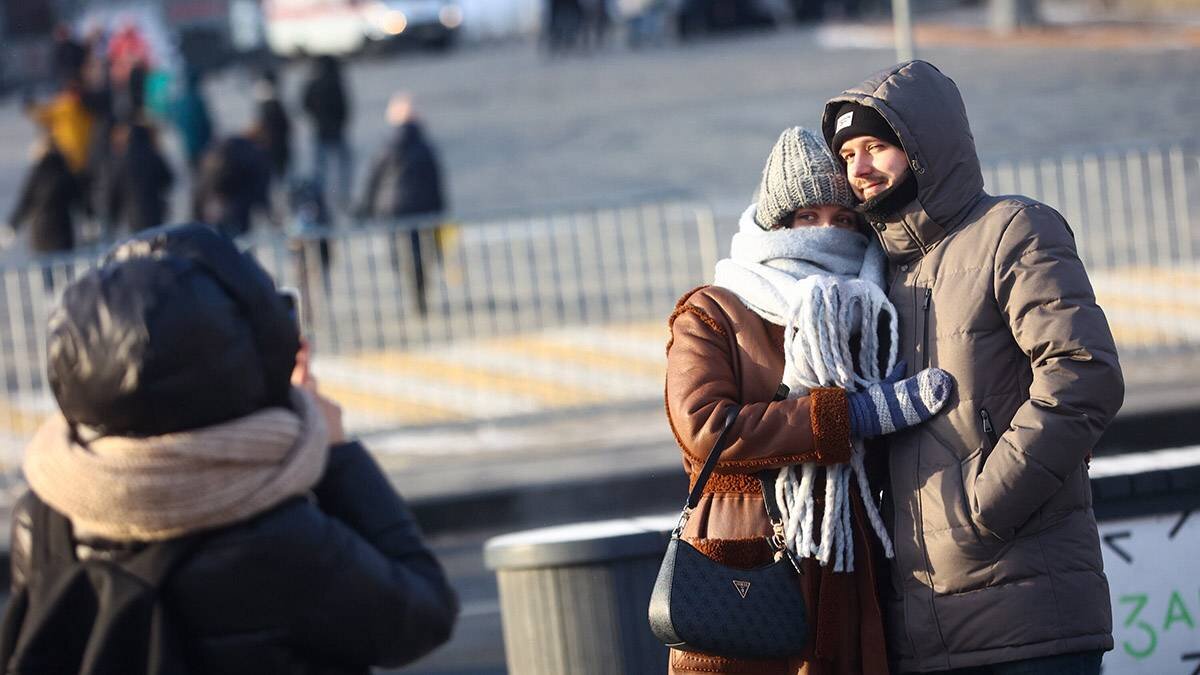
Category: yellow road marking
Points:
column 1129, row 334
column 656, row 330
column 546, row 392
column 1180, row 278
column 390, row 407
column 1131, row 302
column 19, row 422
column 583, row 356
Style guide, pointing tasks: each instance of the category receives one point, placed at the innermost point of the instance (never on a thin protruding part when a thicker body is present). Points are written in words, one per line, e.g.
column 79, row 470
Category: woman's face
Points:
column 825, row 215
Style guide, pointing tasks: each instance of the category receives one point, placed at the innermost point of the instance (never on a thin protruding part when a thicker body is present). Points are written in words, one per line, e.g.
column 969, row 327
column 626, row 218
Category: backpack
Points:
column 91, row 617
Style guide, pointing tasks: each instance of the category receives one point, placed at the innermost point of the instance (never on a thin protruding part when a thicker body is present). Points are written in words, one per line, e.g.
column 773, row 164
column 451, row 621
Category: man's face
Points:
column 872, row 165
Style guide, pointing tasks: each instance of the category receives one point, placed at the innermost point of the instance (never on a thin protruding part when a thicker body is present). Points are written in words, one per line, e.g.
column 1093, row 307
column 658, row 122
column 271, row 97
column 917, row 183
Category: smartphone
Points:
column 291, row 300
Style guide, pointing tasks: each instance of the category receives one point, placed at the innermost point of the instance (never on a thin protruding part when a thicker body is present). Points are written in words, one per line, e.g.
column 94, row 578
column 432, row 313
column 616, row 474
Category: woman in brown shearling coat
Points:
column 727, row 348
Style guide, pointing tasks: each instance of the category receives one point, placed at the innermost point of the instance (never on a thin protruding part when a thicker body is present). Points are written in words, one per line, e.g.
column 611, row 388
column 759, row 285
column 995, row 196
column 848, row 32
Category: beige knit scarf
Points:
column 150, row 489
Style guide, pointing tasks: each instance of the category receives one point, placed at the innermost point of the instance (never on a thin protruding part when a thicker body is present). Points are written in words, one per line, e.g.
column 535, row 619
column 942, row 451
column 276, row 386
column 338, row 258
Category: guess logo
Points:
column 742, row 587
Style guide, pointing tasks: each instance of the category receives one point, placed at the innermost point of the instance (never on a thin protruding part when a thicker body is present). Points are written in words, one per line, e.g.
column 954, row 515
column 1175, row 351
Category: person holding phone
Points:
column 184, row 409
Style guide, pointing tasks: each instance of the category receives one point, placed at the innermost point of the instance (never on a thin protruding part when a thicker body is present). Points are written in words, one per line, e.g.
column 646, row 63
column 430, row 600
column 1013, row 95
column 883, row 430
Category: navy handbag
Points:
column 700, row 605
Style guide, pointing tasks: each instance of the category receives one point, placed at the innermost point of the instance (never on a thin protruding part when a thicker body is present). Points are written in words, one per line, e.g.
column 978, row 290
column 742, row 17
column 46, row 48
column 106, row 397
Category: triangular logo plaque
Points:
column 743, row 587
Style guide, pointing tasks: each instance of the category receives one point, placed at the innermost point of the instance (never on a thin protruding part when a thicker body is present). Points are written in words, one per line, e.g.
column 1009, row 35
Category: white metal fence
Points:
column 427, row 284
column 1132, row 210
column 424, row 322
column 521, row 314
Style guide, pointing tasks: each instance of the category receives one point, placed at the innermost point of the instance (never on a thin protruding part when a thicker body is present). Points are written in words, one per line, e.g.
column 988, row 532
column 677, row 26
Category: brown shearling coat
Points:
column 721, row 354
column 990, row 506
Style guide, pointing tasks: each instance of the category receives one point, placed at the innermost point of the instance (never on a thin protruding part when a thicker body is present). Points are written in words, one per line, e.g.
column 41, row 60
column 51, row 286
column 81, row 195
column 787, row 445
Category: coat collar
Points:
column 914, row 232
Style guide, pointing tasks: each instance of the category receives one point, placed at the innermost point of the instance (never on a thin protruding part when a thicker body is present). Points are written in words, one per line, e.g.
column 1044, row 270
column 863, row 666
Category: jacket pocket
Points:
column 959, row 554
column 970, row 473
column 969, row 469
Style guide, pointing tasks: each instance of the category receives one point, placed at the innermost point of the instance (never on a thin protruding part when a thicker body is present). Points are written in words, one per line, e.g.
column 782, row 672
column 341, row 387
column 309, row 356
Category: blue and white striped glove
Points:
column 898, row 402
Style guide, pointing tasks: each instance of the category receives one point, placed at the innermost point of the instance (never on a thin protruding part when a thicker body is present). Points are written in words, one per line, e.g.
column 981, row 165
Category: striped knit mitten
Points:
column 898, row 402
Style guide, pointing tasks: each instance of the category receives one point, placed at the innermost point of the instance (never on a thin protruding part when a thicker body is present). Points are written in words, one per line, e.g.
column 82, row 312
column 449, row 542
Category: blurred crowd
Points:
column 585, row 25
column 99, row 163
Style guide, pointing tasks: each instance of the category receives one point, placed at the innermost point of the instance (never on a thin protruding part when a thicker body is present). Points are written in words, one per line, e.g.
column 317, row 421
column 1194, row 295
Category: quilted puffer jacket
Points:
column 997, row 553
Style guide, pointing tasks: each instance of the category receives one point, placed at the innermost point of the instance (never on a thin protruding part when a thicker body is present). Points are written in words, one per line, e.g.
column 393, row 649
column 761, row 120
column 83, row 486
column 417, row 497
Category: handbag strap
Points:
column 709, row 464
column 713, row 456
column 766, row 480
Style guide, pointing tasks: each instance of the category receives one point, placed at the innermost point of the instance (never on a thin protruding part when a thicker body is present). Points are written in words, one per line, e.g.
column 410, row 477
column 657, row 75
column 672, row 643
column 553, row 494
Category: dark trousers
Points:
column 1080, row 663
column 336, row 153
column 420, row 241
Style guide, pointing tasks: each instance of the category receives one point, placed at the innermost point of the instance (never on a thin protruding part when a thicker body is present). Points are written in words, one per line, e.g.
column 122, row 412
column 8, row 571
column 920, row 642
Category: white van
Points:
column 342, row 27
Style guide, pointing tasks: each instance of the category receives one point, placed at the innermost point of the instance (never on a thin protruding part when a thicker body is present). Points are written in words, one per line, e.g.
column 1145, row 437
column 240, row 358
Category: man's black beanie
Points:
column 854, row 120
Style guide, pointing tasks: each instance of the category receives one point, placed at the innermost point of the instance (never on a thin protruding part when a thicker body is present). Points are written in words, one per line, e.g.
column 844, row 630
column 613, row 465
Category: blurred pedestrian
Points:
column 47, row 201
column 69, row 56
column 646, row 22
column 291, row 550
column 141, row 180
column 69, row 123
column 808, row 11
column 232, row 185
column 129, row 63
column 273, row 126
column 127, row 49
column 99, row 100
column 803, row 403
column 328, row 106
column 597, row 19
column 1006, row 571
column 564, row 25
column 192, row 119
column 405, row 185
column 308, row 235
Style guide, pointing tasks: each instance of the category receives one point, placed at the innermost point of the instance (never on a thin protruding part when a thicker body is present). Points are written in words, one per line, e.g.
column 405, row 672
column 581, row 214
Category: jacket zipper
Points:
column 988, row 429
column 925, row 328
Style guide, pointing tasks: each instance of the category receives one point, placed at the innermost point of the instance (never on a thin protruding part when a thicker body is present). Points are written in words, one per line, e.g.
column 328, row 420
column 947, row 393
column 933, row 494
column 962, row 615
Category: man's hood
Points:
column 925, row 109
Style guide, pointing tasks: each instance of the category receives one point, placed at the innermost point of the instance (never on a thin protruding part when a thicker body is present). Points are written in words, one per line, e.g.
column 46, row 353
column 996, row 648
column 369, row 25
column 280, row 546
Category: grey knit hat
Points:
column 800, row 172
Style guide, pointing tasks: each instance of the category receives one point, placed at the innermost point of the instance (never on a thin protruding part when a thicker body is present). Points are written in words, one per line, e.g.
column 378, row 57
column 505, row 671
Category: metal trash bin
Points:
column 574, row 598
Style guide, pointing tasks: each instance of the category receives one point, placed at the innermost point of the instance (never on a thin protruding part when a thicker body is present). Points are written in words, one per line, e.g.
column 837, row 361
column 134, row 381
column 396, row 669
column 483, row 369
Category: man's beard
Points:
column 886, row 206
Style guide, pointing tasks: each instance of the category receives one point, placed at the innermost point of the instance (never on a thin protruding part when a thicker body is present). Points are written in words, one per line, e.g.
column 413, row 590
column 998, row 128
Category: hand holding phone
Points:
column 291, row 299
column 303, row 378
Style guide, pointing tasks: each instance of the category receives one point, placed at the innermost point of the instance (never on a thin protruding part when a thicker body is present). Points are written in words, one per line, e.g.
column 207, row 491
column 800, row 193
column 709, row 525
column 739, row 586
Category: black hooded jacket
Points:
column 141, row 184
column 234, row 181
column 331, row 584
column 276, row 129
column 47, row 198
column 405, row 179
column 178, row 330
column 325, row 100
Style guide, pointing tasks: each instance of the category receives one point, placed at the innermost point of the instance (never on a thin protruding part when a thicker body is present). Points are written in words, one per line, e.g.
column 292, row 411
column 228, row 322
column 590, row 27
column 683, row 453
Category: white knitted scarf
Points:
column 161, row 487
column 824, row 285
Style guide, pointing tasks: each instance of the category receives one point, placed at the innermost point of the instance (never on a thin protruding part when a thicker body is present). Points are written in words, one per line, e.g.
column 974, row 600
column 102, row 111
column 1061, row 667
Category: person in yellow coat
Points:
column 69, row 123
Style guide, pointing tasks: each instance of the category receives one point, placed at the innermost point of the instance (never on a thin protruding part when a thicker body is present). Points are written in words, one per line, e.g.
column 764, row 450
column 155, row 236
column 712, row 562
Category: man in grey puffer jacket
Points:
column 998, row 567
